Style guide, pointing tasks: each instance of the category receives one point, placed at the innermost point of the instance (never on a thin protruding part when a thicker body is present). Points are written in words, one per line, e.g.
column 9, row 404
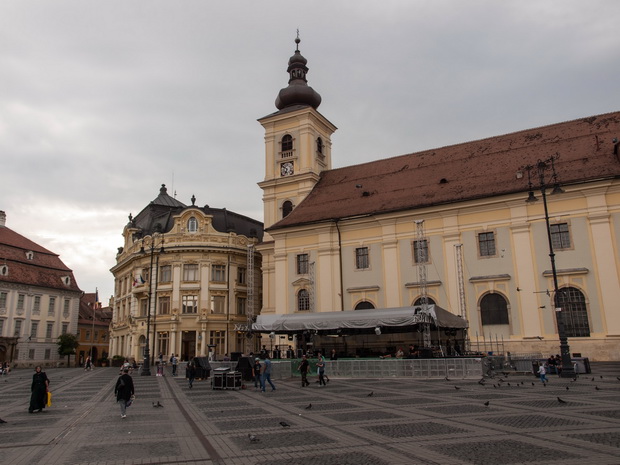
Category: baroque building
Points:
column 449, row 225
column 195, row 271
column 39, row 301
column 93, row 330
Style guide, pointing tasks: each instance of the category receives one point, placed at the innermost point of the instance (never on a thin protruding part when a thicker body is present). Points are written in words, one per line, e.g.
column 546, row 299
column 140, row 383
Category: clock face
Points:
column 286, row 169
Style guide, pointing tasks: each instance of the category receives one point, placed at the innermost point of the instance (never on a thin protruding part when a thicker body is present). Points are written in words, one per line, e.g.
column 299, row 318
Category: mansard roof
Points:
column 44, row 269
column 468, row 171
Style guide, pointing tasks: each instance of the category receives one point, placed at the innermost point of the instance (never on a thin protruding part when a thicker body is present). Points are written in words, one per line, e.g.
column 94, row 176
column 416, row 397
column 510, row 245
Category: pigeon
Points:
column 495, row 386
column 284, row 424
column 309, row 406
column 447, row 379
column 481, row 382
column 253, row 438
column 561, row 401
column 372, row 393
column 533, row 384
column 592, row 379
column 457, row 388
column 597, row 388
column 158, row 404
column 508, row 384
column 486, row 404
column 154, row 404
column 2, row 421
column 567, row 388
column 618, row 378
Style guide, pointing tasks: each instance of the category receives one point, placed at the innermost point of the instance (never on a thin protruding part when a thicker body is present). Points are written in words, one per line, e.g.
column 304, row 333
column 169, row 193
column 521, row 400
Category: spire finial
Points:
column 297, row 40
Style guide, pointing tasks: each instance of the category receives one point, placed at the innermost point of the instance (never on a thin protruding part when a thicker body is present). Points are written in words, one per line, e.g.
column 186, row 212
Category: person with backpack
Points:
column 124, row 391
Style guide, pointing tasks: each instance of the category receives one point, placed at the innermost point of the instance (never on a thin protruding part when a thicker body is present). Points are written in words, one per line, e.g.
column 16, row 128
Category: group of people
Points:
column 304, row 368
column 261, row 370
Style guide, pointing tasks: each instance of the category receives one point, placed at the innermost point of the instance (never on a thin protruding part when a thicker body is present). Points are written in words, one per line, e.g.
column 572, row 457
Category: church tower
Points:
column 297, row 144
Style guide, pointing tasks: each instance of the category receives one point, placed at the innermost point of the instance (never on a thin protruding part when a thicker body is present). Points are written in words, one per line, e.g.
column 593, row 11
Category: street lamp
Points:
column 547, row 176
column 146, row 365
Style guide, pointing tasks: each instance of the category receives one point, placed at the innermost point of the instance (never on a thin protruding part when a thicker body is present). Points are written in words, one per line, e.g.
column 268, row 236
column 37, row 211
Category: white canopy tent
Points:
column 359, row 320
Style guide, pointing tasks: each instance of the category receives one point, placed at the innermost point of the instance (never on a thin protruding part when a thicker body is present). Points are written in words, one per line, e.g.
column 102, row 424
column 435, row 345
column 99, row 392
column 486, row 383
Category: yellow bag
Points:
column 49, row 399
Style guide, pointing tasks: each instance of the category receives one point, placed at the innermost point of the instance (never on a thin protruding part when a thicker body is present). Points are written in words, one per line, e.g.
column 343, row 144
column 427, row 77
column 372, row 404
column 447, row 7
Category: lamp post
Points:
column 547, row 177
column 146, row 365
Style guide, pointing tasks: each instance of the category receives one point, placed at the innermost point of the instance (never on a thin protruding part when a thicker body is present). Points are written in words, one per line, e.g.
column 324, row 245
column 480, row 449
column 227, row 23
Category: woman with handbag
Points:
column 38, row 389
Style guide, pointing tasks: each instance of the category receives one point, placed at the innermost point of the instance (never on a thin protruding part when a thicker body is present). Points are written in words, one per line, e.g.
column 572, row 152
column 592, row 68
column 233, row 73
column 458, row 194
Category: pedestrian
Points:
column 88, row 365
column 38, row 389
column 256, row 372
column 542, row 372
column 124, row 391
column 303, row 369
column 174, row 361
column 320, row 365
column 191, row 372
column 333, row 355
column 266, row 374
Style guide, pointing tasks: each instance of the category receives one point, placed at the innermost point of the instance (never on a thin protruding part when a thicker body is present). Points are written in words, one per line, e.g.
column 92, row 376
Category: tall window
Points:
column 420, row 251
column 49, row 330
column 52, row 306
column 574, row 312
column 20, row 301
column 162, row 342
column 65, row 328
column 486, row 244
column 18, row 328
column 31, row 354
column 218, row 273
column 217, row 339
column 287, row 207
column 190, row 272
column 66, row 306
column 36, row 306
column 303, row 300
column 560, row 237
column 242, row 275
column 1, row 327
column 144, row 306
column 218, row 304
column 33, row 329
column 241, row 301
column 192, row 224
column 361, row 258
column 165, row 274
column 164, row 305
column 3, row 296
column 287, row 143
column 189, row 303
column 302, row 263
column 494, row 310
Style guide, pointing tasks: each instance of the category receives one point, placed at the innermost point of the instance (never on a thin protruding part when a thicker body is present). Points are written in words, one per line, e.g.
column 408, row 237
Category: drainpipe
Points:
column 340, row 259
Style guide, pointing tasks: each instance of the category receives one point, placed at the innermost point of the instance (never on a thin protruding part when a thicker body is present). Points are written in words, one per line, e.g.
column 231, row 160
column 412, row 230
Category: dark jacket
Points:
column 124, row 387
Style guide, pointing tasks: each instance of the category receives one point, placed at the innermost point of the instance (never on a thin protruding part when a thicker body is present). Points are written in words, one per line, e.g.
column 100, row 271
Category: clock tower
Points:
column 297, row 144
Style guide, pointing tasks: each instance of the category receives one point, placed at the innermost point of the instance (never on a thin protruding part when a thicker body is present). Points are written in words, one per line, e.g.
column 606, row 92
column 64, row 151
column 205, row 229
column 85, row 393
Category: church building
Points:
column 508, row 232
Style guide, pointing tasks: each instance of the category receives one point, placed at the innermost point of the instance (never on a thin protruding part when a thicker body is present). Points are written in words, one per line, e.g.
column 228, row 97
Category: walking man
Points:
column 124, row 391
column 175, row 361
column 266, row 374
column 303, row 369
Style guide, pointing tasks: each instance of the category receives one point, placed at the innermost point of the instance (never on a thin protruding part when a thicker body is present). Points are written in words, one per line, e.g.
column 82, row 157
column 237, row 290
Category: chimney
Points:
column 2, row 219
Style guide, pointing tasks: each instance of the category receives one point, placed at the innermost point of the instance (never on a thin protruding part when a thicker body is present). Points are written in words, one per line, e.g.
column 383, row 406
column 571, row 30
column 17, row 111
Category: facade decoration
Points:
column 182, row 276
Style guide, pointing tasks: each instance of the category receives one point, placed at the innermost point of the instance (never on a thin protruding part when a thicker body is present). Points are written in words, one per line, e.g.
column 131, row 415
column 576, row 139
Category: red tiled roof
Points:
column 472, row 170
column 44, row 270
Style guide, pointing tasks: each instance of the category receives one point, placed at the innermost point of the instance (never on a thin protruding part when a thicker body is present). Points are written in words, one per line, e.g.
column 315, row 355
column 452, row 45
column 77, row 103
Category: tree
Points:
column 67, row 343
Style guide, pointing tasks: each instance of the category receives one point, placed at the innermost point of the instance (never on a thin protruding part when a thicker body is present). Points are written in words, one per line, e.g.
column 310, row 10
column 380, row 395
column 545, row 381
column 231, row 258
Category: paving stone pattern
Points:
column 348, row 422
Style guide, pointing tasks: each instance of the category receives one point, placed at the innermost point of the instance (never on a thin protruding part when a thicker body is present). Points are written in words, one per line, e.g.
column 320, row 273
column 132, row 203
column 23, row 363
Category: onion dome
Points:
column 298, row 91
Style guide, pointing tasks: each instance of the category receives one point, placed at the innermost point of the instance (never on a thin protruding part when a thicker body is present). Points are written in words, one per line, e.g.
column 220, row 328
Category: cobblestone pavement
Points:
column 404, row 421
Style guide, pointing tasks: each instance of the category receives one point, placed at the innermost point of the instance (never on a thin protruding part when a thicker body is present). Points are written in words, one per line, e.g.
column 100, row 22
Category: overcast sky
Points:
column 103, row 101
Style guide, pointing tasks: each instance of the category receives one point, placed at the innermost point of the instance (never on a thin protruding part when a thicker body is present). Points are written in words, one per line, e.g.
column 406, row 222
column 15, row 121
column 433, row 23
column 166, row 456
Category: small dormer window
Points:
column 4, row 270
column 30, row 255
column 192, row 224
column 66, row 280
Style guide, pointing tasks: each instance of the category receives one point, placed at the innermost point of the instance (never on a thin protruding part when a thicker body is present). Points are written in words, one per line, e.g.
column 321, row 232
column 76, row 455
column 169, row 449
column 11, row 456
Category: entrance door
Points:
column 188, row 345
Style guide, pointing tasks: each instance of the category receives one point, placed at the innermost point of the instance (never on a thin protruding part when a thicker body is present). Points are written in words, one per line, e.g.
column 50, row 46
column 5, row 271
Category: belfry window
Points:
column 287, row 207
column 287, row 143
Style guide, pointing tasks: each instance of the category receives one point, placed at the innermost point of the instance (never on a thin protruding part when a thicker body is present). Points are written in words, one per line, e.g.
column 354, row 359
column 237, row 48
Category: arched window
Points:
column 192, row 224
column 319, row 145
column 494, row 310
column 303, row 300
column 574, row 312
column 364, row 305
column 287, row 207
column 287, row 143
